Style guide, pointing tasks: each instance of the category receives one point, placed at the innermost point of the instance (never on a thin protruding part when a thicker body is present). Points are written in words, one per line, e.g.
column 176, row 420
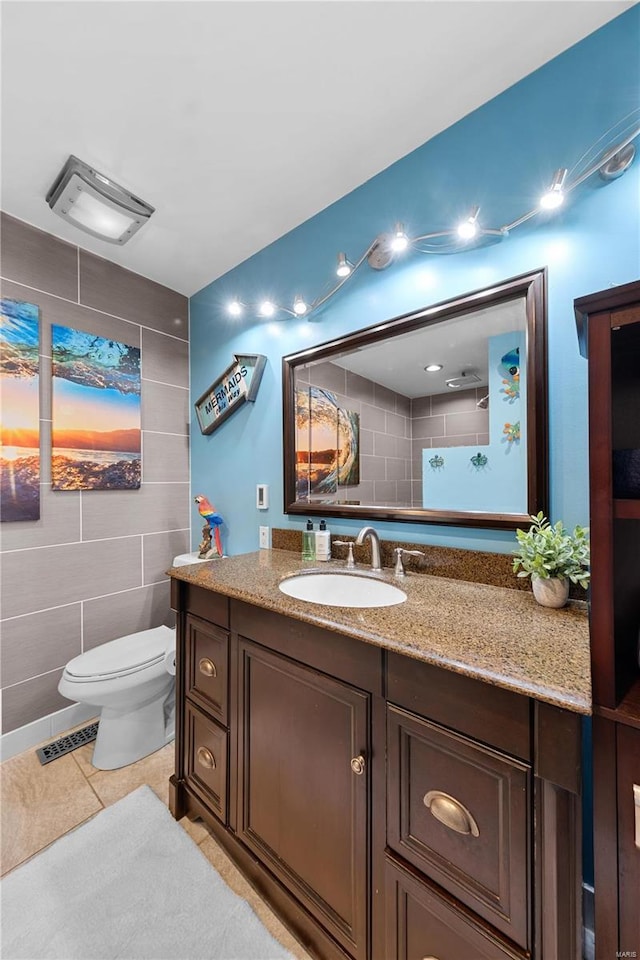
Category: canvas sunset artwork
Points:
column 20, row 418
column 327, row 443
column 96, row 435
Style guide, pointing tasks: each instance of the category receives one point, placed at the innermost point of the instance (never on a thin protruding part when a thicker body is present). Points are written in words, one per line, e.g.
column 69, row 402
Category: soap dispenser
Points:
column 323, row 542
column 308, row 542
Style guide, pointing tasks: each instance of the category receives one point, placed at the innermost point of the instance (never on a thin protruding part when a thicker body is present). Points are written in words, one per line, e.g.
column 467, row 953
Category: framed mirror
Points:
column 437, row 416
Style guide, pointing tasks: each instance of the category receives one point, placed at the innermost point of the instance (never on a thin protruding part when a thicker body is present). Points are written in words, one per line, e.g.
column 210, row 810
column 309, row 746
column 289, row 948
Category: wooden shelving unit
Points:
column 609, row 334
column 626, row 509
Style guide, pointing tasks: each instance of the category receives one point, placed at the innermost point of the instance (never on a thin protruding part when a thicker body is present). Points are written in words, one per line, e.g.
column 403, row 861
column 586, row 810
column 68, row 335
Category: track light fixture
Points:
column 468, row 229
column 400, row 240
column 267, row 308
column 344, row 268
column 611, row 161
column 554, row 196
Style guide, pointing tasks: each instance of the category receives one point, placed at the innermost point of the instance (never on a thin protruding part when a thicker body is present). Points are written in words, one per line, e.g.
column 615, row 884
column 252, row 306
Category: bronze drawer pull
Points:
column 429, row 958
column 357, row 765
column 205, row 758
column 451, row 812
column 207, row 667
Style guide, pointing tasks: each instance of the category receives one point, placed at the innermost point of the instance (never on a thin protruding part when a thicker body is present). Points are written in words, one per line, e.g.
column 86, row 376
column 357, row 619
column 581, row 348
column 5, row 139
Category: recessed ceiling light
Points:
column 433, row 367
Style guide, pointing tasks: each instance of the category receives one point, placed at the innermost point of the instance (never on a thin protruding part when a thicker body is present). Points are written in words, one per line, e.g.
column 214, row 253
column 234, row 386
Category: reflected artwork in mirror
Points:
column 437, row 416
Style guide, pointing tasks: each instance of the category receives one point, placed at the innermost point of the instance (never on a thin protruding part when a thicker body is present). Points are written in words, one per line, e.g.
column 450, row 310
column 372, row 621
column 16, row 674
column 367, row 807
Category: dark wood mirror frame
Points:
column 532, row 288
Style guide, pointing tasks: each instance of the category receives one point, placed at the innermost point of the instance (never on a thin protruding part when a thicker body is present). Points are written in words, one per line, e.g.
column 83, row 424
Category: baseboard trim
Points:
column 588, row 913
column 35, row 733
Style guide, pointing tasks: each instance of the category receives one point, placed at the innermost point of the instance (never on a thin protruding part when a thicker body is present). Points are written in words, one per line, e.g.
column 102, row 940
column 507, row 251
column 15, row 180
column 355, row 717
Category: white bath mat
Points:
column 129, row 884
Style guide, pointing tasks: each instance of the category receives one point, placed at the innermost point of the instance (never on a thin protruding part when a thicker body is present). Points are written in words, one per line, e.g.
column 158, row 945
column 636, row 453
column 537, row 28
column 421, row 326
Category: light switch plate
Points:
column 262, row 496
column 264, row 538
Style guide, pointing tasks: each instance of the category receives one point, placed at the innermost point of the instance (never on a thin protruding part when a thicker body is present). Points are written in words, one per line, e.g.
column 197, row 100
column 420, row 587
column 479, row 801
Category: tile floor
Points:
column 41, row 803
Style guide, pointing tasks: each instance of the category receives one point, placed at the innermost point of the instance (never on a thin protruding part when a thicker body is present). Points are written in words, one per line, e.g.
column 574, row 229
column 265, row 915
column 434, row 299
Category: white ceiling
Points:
column 240, row 120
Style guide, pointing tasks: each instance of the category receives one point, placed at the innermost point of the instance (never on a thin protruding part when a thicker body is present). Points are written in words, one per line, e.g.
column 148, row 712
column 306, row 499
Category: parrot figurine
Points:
column 208, row 513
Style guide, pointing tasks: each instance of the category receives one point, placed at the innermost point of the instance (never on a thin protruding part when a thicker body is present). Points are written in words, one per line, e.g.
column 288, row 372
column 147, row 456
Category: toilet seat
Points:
column 121, row 657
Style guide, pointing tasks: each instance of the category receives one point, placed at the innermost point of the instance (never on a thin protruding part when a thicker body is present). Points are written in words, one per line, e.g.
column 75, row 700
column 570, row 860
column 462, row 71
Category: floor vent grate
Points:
column 58, row 748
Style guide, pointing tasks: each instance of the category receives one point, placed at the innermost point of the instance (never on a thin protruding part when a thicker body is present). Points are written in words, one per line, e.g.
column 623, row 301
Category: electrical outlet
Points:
column 264, row 538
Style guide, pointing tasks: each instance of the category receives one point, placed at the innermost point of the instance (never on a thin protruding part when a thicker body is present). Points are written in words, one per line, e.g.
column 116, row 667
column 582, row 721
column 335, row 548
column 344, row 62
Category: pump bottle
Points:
column 323, row 542
column 308, row 542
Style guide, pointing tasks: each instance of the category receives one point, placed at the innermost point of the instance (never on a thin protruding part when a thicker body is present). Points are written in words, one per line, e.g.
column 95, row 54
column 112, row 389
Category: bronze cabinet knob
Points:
column 207, row 667
column 357, row 765
column 206, row 758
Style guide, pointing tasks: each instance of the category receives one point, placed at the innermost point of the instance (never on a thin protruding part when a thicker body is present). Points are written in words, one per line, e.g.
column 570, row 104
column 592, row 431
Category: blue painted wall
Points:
column 500, row 157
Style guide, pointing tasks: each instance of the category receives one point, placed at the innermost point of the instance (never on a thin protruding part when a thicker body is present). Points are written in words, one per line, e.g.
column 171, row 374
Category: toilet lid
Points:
column 122, row 656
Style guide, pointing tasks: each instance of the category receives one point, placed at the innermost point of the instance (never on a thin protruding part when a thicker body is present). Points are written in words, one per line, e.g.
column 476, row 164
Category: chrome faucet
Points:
column 375, row 545
column 400, row 553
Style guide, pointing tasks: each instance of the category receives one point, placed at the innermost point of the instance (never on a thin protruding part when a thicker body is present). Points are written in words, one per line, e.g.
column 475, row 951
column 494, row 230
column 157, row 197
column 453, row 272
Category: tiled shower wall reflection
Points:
column 92, row 568
column 394, row 430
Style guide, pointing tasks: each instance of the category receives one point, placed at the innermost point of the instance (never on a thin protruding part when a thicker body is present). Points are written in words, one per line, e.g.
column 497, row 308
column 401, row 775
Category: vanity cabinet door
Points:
column 303, row 786
column 457, row 811
column 421, row 925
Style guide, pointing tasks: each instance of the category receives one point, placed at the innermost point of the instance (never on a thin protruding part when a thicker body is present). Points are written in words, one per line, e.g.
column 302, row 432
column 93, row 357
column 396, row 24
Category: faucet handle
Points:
column 346, row 543
column 401, row 552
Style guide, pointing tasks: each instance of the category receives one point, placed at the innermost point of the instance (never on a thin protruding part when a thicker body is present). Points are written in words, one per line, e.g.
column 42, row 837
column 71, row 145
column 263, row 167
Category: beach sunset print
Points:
column 20, row 418
column 96, row 437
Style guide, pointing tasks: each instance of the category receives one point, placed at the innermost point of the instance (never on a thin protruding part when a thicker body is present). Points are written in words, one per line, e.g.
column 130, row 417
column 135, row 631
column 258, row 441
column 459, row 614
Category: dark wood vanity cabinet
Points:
column 303, row 786
column 609, row 334
column 386, row 808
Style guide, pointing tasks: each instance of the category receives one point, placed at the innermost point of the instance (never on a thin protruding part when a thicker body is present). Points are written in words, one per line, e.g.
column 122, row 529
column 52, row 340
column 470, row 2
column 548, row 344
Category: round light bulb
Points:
column 399, row 241
column 300, row 307
column 552, row 199
column 344, row 267
column 433, row 367
column 267, row 309
column 467, row 230
column 235, row 308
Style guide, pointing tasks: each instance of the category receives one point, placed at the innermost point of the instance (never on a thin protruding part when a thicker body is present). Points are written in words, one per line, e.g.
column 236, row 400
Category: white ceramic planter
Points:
column 552, row 592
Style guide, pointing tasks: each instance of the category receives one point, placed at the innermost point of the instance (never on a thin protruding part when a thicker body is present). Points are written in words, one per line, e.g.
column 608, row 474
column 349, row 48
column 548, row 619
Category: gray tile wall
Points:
column 92, row 568
column 446, row 420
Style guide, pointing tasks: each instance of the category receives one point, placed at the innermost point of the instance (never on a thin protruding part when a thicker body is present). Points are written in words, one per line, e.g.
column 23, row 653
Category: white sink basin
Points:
column 342, row 590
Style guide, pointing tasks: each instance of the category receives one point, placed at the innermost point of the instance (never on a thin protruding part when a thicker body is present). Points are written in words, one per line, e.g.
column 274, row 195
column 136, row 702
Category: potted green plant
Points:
column 553, row 558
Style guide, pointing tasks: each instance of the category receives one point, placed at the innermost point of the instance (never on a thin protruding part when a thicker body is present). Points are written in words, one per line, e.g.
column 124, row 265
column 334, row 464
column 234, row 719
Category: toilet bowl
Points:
column 132, row 679
column 129, row 679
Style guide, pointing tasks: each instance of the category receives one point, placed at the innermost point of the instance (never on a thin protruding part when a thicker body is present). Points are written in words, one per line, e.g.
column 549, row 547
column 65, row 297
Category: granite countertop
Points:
column 494, row 634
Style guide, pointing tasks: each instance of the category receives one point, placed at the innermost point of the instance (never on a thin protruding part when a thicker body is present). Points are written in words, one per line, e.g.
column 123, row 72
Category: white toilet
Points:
column 133, row 679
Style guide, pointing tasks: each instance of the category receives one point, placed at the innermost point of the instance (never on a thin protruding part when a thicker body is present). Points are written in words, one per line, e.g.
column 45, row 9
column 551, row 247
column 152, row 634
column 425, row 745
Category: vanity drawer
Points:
column 421, row 925
column 498, row 717
column 457, row 811
column 206, row 760
column 207, row 661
